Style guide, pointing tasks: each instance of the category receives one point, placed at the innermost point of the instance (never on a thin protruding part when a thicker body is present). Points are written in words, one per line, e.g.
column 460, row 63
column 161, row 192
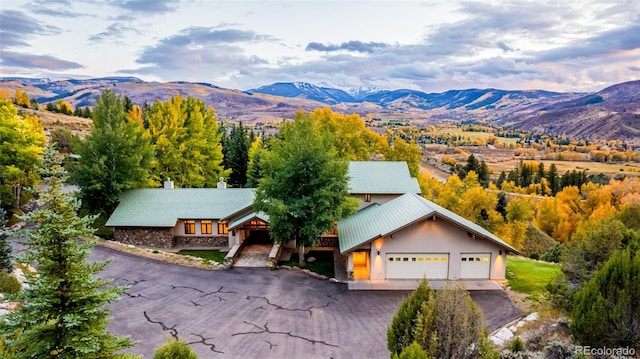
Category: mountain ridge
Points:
column 613, row 111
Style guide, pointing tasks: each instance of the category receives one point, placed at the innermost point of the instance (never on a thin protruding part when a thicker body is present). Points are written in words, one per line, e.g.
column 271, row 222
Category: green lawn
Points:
column 212, row 255
column 529, row 276
column 322, row 265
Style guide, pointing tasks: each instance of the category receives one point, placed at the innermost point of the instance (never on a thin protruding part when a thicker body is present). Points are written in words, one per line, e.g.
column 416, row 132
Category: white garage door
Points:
column 417, row 265
column 475, row 265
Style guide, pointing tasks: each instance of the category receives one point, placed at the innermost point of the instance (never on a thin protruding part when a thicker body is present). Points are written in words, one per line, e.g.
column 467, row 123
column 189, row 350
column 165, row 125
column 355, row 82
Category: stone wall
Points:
column 151, row 237
column 199, row 241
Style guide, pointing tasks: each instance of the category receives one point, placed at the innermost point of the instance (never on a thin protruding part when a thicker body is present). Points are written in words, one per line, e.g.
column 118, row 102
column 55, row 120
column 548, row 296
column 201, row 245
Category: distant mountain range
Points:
column 611, row 113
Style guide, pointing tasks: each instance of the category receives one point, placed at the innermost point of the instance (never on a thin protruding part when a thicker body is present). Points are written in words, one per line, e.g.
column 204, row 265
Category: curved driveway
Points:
column 257, row 313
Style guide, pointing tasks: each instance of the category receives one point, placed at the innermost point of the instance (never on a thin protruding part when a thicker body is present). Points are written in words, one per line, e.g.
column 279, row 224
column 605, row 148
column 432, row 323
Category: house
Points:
column 395, row 234
column 410, row 237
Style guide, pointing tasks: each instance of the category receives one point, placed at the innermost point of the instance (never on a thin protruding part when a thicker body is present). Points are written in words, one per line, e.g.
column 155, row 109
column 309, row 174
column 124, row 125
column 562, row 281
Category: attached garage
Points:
column 475, row 265
column 417, row 265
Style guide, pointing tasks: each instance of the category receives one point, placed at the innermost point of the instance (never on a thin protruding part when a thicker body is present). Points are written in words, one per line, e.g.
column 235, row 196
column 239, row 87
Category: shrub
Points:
column 400, row 332
column 8, row 283
column 559, row 350
column 553, row 254
column 449, row 324
column 486, row 348
column 516, row 345
column 175, row 349
column 413, row 351
column 606, row 310
column 537, row 243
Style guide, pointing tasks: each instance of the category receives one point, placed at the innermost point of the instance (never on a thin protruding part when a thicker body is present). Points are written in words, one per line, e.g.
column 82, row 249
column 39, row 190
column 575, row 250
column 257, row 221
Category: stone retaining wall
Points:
column 328, row 242
column 216, row 241
column 151, row 237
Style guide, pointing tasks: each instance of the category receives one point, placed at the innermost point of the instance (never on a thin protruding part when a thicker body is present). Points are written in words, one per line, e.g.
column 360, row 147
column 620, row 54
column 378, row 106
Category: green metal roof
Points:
column 381, row 177
column 240, row 221
column 380, row 221
column 159, row 207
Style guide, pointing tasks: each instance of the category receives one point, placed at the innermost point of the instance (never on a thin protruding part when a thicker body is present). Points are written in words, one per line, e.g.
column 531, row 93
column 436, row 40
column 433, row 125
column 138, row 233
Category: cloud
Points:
column 605, row 43
column 634, row 68
column 16, row 28
column 46, row 62
column 115, row 31
column 199, row 52
column 147, row 6
column 356, row 46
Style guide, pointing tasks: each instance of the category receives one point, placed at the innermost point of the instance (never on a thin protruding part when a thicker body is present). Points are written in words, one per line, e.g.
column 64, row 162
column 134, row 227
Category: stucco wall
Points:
column 179, row 228
column 437, row 236
column 152, row 237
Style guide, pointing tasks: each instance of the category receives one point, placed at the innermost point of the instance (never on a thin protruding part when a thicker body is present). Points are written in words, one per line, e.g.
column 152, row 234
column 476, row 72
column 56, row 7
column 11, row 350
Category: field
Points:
column 477, row 135
column 51, row 121
column 611, row 169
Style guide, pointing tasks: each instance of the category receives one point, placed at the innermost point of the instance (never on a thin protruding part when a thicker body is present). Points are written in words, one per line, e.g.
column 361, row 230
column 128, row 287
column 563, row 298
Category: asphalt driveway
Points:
column 257, row 313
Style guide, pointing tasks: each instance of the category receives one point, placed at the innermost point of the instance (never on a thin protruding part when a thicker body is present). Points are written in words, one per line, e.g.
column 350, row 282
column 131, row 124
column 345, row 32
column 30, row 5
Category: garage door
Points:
column 475, row 265
column 417, row 265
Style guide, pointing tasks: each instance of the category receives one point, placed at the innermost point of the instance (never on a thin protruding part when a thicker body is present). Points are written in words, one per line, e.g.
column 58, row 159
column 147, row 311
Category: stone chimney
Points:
column 168, row 184
column 221, row 183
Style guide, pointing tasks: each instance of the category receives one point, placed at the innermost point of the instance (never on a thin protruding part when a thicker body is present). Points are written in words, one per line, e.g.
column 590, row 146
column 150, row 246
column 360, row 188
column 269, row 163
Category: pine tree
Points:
column 6, row 258
column 254, row 168
column 237, row 155
column 606, row 311
column 63, row 314
column 400, row 333
column 554, row 180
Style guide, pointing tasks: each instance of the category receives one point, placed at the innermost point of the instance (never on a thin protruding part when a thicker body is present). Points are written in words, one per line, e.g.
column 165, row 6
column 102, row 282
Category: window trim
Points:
column 223, row 227
column 206, row 226
column 189, row 226
column 367, row 197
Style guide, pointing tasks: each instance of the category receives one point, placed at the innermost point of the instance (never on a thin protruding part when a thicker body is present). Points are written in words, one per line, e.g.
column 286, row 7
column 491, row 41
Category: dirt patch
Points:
column 521, row 301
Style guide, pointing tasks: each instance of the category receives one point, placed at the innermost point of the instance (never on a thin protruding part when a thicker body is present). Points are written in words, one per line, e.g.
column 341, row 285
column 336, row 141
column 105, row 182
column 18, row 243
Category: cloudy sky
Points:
column 433, row 46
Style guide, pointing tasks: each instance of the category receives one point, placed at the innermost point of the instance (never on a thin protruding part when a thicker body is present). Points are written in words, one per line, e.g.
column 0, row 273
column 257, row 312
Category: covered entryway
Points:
column 360, row 265
column 417, row 265
column 475, row 265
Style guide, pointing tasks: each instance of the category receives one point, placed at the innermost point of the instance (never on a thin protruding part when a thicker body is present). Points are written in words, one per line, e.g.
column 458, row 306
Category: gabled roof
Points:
column 380, row 221
column 240, row 221
column 381, row 177
column 159, row 207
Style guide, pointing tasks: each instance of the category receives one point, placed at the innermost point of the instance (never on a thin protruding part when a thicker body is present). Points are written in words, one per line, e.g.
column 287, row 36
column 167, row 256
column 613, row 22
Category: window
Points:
column 222, row 227
column 189, row 226
column 205, row 226
column 367, row 198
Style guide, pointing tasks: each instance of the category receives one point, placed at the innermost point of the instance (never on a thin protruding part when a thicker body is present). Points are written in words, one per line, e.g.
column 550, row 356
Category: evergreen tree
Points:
column 540, row 174
column 483, row 174
column 63, row 314
column 115, row 157
column 400, row 333
column 305, row 186
column 472, row 164
column 554, row 181
column 6, row 258
column 606, row 310
column 254, row 168
column 237, row 155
